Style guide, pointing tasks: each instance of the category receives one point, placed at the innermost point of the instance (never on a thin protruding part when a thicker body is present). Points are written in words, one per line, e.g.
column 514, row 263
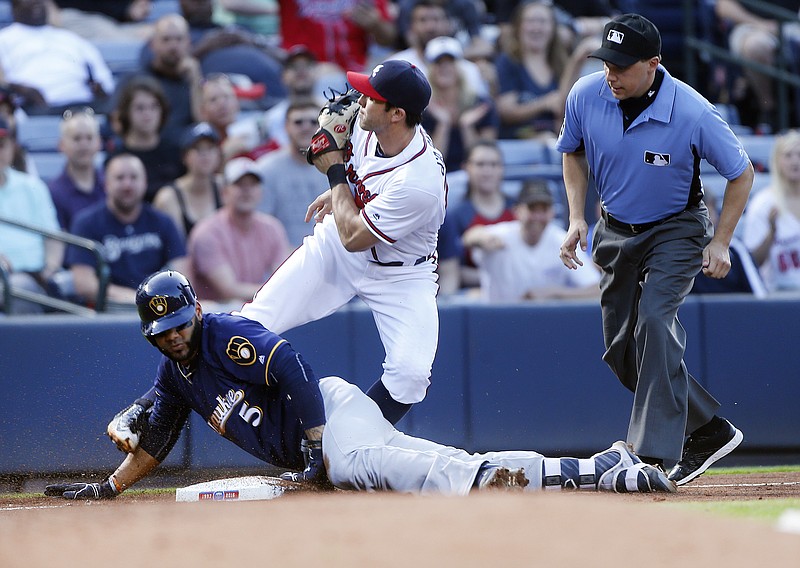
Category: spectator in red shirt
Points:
column 339, row 31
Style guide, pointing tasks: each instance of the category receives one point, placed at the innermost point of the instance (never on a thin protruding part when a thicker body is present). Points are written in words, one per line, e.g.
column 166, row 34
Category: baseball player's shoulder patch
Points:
column 241, row 351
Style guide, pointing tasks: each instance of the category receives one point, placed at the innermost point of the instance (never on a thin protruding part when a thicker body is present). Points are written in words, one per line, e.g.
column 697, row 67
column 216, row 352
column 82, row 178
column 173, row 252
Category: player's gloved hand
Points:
column 314, row 473
column 89, row 491
column 336, row 120
column 127, row 427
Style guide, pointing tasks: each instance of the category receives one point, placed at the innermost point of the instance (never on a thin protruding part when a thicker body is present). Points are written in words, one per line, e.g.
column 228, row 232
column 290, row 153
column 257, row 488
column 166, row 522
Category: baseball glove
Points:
column 336, row 120
column 127, row 427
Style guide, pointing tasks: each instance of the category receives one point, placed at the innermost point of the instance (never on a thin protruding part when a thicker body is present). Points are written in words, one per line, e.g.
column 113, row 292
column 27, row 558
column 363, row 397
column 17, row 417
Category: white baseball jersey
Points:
column 781, row 270
column 508, row 273
column 402, row 201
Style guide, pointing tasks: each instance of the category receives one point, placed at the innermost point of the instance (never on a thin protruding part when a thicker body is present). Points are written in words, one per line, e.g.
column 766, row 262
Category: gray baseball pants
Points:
column 646, row 278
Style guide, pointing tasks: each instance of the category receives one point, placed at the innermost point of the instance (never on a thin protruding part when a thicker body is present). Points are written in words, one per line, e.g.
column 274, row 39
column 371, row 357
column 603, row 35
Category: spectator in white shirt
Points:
column 58, row 64
column 518, row 260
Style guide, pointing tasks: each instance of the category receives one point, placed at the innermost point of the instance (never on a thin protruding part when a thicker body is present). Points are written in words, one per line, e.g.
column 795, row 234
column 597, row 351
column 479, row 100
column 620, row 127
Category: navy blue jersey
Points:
column 248, row 384
column 134, row 251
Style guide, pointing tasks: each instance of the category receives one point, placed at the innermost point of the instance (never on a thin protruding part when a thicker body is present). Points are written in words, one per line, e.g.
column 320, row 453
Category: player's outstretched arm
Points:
column 136, row 466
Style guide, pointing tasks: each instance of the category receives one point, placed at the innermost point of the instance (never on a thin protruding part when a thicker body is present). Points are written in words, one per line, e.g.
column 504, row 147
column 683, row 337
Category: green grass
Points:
column 157, row 491
column 766, row 510
column 752, row 469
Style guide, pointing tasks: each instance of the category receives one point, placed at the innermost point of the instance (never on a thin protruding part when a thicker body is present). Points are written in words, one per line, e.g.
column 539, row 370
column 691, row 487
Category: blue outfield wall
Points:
column 522, row 377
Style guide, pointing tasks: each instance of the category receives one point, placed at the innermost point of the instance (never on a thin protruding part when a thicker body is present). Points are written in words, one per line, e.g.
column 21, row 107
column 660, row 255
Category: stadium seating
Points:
column 122, row 57
column 39, row 133
column 49, row 165
column 162, row 8
column 759, row 148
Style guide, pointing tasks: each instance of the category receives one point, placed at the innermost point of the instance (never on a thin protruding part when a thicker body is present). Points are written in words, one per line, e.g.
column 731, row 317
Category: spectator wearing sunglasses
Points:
column 290, row 183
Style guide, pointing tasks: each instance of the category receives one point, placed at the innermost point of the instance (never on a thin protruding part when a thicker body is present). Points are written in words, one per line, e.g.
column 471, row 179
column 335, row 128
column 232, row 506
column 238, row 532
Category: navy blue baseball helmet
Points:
column 165, row 300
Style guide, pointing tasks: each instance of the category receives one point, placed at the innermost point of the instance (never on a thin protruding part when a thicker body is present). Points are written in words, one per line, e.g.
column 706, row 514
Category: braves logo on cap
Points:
column 377, row 69
column 616, row 36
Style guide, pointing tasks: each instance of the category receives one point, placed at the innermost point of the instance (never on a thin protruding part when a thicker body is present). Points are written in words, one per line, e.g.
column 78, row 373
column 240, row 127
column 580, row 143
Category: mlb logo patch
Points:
column 656, row 158
column 616, row 36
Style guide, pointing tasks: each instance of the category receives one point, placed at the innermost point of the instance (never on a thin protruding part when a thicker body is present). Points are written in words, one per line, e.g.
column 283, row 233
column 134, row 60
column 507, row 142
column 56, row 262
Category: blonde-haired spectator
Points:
column 772, row 220
column 457, row 115
column 81, row 182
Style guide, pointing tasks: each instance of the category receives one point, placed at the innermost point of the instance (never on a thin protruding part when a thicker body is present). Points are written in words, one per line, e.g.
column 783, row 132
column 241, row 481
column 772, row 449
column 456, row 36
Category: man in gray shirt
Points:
column 290, row 183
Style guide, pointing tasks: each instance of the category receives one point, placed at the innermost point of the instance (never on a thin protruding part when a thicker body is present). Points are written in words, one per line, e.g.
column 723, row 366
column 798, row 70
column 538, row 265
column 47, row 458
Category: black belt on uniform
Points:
column 420, row 260
column 634, row 228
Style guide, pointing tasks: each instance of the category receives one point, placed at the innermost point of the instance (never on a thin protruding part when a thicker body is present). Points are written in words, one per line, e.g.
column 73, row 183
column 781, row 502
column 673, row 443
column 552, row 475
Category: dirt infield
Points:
column 386, row 530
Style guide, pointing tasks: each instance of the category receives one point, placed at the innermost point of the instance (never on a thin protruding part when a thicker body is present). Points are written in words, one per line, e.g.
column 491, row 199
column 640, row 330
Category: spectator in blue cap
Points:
column 196, row 194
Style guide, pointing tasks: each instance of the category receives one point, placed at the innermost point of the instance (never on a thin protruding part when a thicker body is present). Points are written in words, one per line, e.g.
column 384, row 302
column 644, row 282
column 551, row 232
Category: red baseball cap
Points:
column 397, row 82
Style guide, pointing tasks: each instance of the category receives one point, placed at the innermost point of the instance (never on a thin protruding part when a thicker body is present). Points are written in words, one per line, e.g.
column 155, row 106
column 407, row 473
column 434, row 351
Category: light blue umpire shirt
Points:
column 645, row 173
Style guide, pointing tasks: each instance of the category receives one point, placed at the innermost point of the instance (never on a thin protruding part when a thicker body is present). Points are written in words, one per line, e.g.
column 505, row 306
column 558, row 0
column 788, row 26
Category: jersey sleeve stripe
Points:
column 375, row 229
column 269, row 360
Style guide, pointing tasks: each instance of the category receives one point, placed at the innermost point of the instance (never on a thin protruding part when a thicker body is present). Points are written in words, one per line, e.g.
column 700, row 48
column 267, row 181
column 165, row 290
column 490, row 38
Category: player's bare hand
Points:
column 324, row 161
column 320, row 207
column 577, row 234
column 716, row 260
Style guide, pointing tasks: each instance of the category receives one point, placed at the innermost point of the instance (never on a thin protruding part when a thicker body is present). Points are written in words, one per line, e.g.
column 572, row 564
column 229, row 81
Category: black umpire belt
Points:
column 634, row 228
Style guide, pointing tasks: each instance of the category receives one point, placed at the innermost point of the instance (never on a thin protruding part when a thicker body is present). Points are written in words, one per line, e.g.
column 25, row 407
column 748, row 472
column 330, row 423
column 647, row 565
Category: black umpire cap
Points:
column 627, row 39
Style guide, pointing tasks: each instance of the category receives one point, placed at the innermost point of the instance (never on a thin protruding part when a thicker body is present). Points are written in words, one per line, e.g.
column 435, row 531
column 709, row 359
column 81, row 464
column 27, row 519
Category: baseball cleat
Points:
column 702, row 451
column 642, row 478
column 629, row 474
column 498, row 478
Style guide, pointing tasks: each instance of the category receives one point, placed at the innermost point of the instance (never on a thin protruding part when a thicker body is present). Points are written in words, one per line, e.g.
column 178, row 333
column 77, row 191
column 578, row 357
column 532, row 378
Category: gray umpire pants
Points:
column 646, row 278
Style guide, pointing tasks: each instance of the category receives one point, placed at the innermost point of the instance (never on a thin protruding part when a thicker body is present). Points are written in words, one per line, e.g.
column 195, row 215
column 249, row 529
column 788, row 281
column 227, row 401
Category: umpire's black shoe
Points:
column 700, row 452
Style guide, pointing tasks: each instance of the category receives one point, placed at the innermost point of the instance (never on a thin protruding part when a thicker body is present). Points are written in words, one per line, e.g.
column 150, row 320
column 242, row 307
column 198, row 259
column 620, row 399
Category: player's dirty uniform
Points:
column 253, row 388
column 402, row 201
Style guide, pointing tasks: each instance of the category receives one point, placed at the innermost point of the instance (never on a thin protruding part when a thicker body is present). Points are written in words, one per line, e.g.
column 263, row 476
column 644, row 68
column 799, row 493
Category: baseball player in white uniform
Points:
column 387, row 199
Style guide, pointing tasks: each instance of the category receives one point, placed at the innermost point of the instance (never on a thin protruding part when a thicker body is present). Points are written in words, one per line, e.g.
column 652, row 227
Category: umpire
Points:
column 642, row 135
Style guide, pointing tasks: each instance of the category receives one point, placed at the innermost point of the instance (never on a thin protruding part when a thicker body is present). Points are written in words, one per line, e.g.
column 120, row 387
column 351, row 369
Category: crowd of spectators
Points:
column 194, row 155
